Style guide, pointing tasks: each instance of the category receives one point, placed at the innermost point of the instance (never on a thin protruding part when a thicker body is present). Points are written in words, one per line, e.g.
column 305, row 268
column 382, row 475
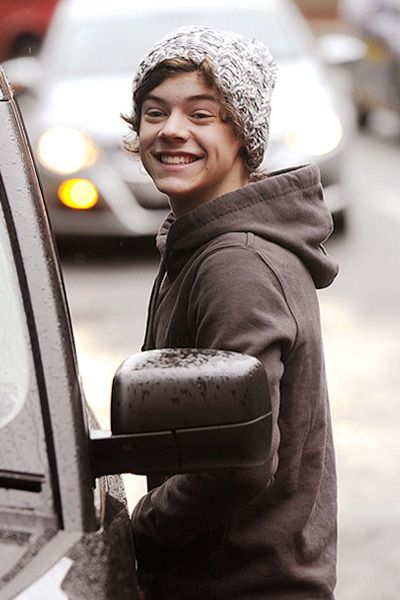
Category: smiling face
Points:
column 189, row 152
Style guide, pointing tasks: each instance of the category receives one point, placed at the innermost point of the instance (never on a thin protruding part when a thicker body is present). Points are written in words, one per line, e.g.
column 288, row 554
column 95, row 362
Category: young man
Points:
column 241, row 258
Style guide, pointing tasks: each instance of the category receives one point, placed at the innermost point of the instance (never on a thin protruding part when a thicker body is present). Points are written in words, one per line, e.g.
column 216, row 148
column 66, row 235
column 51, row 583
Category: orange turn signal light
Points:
column 78, row 194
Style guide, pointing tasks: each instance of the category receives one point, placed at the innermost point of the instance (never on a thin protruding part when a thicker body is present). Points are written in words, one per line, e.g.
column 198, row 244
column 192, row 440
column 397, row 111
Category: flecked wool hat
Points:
column 244, row 69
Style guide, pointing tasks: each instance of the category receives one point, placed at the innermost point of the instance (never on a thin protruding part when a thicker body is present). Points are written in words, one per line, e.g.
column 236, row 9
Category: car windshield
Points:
column 115, row 46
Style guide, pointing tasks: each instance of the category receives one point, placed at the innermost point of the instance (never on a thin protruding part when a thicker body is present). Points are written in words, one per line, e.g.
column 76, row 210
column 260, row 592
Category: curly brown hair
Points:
column 169, row 68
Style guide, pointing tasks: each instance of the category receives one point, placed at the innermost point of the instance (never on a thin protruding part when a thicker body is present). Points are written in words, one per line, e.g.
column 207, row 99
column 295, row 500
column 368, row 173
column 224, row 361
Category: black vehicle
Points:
column 64, row 526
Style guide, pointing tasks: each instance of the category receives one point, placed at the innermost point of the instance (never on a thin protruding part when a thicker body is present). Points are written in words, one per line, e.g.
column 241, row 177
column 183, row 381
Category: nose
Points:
column 175, row 126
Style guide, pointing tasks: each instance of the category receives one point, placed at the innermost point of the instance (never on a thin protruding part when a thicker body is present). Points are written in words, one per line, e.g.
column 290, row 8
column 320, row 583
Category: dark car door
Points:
column 54, row 536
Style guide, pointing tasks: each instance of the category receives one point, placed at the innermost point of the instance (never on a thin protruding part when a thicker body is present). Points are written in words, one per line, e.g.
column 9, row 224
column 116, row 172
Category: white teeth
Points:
column 176, row 160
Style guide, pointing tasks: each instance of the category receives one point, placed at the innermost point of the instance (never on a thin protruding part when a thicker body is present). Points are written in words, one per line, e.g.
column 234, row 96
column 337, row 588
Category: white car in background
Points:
column 76, row 89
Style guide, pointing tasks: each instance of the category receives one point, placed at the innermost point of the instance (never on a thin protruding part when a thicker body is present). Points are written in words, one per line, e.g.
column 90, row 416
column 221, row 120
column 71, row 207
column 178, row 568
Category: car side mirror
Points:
column 341, row 50
column 24, row 73
column 183, row 410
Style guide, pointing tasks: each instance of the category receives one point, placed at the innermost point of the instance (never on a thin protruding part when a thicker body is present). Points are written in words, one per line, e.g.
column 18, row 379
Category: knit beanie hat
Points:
column 245, row 73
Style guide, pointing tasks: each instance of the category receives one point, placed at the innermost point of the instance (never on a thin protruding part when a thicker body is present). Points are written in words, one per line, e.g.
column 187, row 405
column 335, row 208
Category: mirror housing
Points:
column 24, row 73
column 341, row 50
column 183, row 410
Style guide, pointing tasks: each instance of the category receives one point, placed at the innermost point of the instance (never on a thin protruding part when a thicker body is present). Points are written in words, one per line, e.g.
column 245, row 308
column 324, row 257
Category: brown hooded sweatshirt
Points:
column 239, row 273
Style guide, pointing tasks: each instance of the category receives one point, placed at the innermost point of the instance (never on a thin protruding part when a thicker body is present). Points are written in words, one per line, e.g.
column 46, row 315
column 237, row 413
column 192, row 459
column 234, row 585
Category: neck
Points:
column 182, row 205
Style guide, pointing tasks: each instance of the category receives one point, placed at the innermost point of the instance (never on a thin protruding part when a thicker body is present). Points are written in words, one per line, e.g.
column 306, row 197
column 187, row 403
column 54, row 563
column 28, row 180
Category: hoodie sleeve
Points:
column 236, row 303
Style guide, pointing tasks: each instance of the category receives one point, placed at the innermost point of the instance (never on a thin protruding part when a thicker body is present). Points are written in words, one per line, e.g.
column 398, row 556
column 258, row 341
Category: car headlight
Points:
column 64, row 150
column 315, row 133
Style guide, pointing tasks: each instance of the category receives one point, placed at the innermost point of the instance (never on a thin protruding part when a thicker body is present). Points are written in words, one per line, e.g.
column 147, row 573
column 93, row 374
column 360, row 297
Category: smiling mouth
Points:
column 177, row 159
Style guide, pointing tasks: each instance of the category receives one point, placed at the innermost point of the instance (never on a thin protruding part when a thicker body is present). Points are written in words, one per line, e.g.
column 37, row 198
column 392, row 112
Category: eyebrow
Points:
column 194, row 98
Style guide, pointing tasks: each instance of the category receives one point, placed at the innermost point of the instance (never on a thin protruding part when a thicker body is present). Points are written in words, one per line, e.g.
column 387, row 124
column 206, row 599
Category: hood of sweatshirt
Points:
column 286, row 208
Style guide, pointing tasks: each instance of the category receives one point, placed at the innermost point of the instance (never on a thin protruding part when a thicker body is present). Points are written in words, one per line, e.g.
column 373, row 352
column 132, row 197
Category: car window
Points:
column 25, row 481
column 122, row 42
column 14, row 367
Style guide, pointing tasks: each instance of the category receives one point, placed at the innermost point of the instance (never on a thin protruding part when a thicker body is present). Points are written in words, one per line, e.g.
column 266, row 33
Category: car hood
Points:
column 94, row 104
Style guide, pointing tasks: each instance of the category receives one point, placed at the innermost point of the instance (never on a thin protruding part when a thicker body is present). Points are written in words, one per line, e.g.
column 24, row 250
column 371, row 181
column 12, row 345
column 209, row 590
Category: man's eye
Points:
column 201, row 115
column 154, row 113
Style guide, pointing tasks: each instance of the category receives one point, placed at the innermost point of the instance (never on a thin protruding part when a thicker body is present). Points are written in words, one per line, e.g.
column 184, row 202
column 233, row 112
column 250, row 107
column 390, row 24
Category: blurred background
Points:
column 337, row 103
